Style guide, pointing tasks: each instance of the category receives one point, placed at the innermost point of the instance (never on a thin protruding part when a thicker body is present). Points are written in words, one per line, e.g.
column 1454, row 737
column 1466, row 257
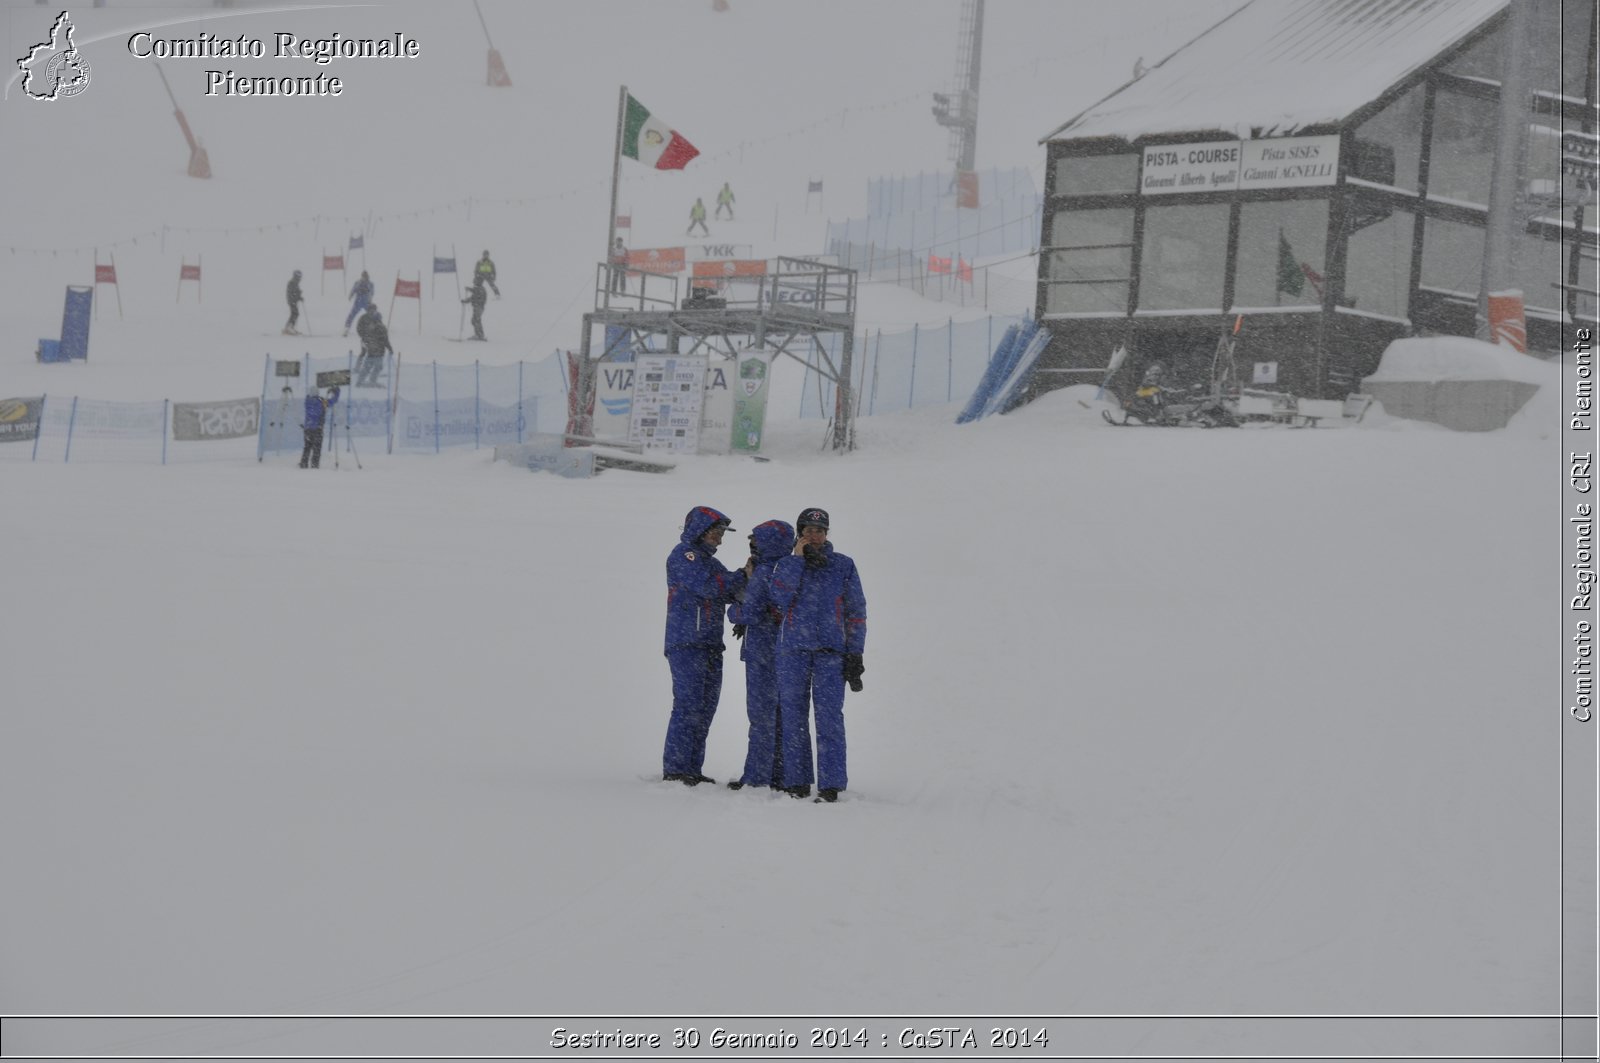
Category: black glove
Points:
column 738, row 631
column 815, row 558
column 853, row 668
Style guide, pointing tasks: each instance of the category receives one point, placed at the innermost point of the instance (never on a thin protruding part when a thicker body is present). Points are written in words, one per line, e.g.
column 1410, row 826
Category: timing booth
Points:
column 1322, row 171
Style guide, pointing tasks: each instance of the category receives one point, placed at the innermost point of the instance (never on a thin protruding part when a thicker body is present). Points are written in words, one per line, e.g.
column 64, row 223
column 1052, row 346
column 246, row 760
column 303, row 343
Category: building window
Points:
column 1585, row 303
column 1377, row 275
column 1388, row 146
column 1090, row 262
column 1452, row 258
column 1577, row 33
column 1088, row 175
column 1482, row 60
column 1540, row 265
column 1184, row 257
column 1462, row 156
column 1282, row 254
column 1554, row 197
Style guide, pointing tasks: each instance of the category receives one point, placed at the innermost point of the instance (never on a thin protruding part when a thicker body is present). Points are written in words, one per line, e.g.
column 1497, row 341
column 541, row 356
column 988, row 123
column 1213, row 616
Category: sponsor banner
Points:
column 706, row 252
column 657, row 260
column 754, row 368
column 810, row 264
column 97, row 419
column 226, row 419
column 716, row 412
column 613, row 410
column 549, row 453
column 668, row 395
column 19, row 419
column 712, row 273
column 1232, row 165
column 457, row 422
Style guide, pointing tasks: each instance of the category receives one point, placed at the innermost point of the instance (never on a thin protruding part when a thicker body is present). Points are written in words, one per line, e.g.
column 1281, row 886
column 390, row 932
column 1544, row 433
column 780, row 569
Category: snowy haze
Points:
column 1155, row 723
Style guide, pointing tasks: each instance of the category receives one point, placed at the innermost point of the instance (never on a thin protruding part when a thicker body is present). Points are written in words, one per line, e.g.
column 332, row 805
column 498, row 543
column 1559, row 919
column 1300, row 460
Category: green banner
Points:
column 750, row 399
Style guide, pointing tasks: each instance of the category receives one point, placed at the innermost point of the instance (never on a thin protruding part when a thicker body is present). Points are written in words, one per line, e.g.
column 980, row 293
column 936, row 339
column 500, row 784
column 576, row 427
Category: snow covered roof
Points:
column 1283, row 65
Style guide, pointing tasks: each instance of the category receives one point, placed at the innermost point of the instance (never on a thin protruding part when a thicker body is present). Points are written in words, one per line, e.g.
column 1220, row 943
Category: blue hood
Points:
column 699, row 521
column 771, row 540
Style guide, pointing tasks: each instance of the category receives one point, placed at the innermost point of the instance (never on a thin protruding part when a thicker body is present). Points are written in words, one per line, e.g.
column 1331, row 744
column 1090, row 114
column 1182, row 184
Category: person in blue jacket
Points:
column 699, row 589
column 821, row 640
column 755, row 621
column 316, row 413
column 361, row 297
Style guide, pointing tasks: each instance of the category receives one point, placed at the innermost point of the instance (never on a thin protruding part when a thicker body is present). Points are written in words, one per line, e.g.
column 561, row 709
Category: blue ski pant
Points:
column 763, row 763
column 355, row 308
column 807, row 680
column 696, row 688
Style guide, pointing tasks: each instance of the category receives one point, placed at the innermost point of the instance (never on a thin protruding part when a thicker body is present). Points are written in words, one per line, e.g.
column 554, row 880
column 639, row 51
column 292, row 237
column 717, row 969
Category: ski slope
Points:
column 1155, row 723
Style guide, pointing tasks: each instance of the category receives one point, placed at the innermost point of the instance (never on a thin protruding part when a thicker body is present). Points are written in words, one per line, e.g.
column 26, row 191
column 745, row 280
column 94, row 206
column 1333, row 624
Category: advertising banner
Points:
column 613, row 412
column 716, row 410
column 657, row 259
column 226, row 419
column 19, row 419
column 750, row 390
column 668, row 395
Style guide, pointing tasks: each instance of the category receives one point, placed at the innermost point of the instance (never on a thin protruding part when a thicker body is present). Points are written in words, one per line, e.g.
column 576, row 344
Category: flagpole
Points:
column 616, row 171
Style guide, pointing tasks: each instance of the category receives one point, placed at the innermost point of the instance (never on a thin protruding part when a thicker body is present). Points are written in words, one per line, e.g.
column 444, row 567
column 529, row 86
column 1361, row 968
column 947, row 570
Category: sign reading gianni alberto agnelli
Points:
column 1229, row 165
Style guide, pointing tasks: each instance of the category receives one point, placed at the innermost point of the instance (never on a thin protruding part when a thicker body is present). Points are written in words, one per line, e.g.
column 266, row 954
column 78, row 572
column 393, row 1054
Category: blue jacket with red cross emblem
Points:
column 699, row 587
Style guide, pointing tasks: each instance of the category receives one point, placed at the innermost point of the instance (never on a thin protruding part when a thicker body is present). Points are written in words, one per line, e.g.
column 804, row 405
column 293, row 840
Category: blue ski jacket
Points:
column 823, row 607
column 772, row 540
column 699, row 587
column 317, row 407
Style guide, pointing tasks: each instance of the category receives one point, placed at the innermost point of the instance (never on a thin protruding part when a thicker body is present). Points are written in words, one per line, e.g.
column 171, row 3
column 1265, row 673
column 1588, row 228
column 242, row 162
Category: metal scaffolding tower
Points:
column 793, row 303
column 959, row 110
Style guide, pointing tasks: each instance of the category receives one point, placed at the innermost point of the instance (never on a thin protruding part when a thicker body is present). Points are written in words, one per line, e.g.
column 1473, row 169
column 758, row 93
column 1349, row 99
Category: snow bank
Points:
column 1463, row 384
column 1436, row 358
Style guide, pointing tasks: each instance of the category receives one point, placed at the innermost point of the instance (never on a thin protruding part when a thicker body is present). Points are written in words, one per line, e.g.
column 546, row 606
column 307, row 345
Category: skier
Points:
column 361, row 296
column 820, row 646
column 699, row 587
column 483, row 273
column 477, row 295
column 618, row 259
column 316, row 412
column 292, row 293
column 697, row 216
column 755, row 622
column 374, row 345
column 725, row 200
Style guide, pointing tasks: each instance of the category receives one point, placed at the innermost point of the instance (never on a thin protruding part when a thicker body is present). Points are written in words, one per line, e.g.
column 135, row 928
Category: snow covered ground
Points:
column 1155, row 723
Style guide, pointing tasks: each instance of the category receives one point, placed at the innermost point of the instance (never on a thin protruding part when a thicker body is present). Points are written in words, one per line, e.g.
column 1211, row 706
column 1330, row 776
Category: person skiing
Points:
column 699, row 588
column 697, row 216
column 374, row 345
column 483, row 273
column 755, row 623
column 316, row 413
column 478, row 296
column 292, row 293
column 361, row 298
column 725, row 200
column 821, row 641
column 618, row 260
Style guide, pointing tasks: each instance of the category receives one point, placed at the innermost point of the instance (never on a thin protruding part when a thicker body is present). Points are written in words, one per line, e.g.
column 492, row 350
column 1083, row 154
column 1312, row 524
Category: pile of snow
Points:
column 1438, row 358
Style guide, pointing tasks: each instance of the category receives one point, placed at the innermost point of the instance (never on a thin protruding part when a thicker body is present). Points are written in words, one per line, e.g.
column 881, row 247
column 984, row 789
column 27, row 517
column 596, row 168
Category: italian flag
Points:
column 648, row 139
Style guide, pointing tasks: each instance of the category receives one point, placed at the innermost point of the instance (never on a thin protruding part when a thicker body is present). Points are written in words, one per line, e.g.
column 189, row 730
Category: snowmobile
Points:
column 1152, row 405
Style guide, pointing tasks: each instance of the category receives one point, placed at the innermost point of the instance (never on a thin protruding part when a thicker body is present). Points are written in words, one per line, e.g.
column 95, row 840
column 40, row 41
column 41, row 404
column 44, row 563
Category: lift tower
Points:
column 959, row 110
